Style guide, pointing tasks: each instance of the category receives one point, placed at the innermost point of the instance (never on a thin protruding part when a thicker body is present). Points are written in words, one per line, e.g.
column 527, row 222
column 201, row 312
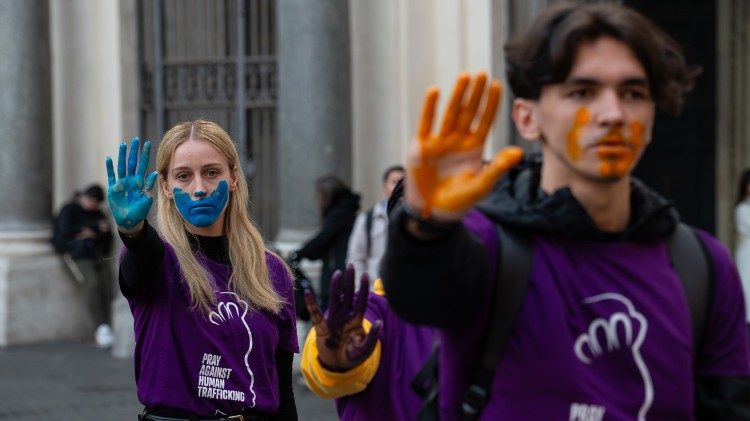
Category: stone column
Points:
column 314, row 119
column 38, row 300
column 732, row 123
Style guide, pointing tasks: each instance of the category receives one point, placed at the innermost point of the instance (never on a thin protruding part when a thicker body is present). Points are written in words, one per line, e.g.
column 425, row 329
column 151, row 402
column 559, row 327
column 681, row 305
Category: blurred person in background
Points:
column 742, row 226
column 82, row 234
column 370, row 232
column 337, row 209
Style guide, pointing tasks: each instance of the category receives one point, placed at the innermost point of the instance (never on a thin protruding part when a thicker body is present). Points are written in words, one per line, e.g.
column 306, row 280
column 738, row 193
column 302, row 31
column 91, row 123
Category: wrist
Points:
column 425, row 228
column 330, row 367
column 131, row 233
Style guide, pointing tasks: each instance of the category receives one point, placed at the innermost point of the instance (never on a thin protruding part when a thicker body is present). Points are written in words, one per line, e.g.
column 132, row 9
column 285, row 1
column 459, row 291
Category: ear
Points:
column 525, row 117
column 165, row 187
column 233, row 182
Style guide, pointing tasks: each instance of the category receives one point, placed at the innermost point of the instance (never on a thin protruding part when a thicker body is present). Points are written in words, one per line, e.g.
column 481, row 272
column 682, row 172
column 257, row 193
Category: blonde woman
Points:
column 214, row 314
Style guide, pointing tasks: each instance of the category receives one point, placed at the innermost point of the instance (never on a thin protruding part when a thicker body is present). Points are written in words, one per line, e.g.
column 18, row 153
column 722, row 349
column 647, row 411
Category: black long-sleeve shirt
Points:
column 439, row 282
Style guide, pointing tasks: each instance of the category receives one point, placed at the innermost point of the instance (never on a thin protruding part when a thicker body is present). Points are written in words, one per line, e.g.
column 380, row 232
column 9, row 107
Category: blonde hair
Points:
column 250, row 278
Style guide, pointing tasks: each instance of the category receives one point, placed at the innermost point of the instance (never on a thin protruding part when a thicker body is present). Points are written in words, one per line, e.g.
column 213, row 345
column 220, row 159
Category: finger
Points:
column 150, row 181
column 470, row 108
column 133, row 157
column 312, row 307
column 449, row 117
column 143, row 165
column 428, row 113
column 348, row 289
column 507, row 158
column 119, row 186
column 474, row 187
column 490, row 109
column 121, row 160
column 359, row 352
column 110, row 172
column 364, row 291
column 438, row 146
column 334, row 293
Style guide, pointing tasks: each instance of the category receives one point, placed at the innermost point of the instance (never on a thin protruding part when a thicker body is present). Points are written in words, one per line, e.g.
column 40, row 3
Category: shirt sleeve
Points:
column 724, row 349
column 66, row 225
column 356, row 252
column 287, row 406
column 441, row 282
column 140, row 261
column 287, row 316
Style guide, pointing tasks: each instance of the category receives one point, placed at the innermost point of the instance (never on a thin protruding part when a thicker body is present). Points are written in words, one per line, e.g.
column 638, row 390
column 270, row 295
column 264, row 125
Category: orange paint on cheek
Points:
column 574, row 148
column 636, row 133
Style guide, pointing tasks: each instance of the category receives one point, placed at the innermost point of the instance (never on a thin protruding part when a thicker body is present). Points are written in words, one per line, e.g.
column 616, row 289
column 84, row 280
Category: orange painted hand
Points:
column 446, row 177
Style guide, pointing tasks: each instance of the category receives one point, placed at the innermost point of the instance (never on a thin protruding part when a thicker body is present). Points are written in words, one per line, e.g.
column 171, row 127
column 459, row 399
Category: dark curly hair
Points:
column 545, row 52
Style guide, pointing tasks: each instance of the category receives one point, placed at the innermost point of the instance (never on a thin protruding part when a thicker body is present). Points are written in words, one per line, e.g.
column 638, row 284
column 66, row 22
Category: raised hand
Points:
column 445, row 169
column 340, row 338
column 127, row 194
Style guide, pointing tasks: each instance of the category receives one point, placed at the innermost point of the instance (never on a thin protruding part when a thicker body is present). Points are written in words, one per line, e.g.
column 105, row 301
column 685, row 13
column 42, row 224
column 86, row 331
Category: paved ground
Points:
column 75, row 381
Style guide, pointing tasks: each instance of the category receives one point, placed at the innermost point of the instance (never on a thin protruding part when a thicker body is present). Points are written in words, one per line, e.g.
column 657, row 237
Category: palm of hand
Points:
column 127, row 195
column 339, row 342
column 128, row 202
column 340, row 337
column 446, row 167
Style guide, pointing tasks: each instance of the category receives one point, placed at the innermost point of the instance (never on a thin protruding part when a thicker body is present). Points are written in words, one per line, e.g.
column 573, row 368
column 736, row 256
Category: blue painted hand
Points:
column 205, row 211
column 127, row 193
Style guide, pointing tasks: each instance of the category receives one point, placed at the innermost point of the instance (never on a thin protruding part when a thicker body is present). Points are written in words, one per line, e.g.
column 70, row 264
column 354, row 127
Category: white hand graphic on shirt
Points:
column 588, row 347
column 230, row 307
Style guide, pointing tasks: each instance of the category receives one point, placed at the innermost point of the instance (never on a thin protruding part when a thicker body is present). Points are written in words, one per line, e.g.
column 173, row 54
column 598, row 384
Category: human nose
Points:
column 610, row 111
column 200, row 188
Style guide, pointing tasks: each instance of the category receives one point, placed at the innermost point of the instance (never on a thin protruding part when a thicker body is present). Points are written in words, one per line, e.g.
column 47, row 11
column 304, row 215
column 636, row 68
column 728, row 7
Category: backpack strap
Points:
column 513, row 269
column 368, row 229
column 695, row 269
column 426, row 384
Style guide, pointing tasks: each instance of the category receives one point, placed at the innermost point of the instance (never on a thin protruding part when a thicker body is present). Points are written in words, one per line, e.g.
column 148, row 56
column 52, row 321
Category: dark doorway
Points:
column 680, row 163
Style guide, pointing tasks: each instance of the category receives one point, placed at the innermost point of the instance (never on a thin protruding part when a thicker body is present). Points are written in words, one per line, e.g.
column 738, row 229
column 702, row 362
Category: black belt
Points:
column 148, row 415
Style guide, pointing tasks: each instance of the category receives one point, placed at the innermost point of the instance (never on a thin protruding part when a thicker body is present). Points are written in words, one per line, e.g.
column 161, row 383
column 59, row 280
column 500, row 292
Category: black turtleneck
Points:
column 143, row 260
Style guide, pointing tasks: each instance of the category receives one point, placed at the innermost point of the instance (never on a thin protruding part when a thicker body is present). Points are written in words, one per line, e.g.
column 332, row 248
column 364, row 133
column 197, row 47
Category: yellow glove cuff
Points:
column 330, row 384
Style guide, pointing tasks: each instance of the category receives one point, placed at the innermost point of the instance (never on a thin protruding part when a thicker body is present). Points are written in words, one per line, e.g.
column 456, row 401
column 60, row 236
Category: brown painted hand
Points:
column 445, row 169
column 341, row 340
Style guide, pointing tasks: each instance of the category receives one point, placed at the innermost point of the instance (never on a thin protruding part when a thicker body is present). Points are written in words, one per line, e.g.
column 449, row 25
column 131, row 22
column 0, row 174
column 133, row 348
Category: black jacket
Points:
column 440, row 272
column 69, row 223
column 330, row 243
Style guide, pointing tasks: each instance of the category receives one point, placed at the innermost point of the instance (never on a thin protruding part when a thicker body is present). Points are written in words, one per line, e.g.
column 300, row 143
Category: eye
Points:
column 636, row 95
column 212, row 173
column 581, row 93
column 183, row 176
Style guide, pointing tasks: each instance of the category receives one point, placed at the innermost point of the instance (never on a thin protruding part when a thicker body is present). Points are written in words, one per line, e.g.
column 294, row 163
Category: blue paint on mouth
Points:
column 205, row 211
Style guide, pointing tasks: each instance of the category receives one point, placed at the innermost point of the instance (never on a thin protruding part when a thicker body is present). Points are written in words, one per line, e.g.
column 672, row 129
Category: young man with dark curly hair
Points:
column 604, row 329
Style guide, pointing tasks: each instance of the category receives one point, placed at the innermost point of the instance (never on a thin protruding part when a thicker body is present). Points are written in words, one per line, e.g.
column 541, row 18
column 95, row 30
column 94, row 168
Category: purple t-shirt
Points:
column 404, row 350
column 210, row 364
column 604, row 332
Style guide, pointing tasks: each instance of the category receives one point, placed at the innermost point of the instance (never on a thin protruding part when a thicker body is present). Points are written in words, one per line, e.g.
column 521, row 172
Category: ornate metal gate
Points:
column 215, row 59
